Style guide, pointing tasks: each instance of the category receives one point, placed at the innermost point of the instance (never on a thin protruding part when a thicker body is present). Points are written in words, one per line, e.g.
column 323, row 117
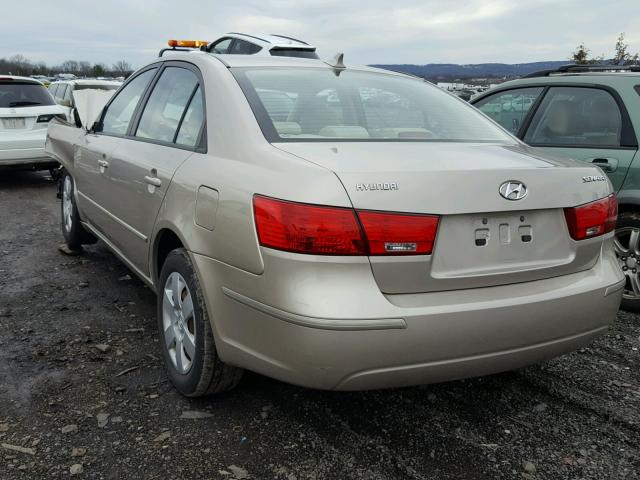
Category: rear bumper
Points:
column 24, row 157
column 305, row 325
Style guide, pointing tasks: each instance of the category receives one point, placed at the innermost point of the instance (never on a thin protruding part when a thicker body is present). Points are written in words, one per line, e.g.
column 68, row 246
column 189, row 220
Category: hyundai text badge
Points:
column 513, row 190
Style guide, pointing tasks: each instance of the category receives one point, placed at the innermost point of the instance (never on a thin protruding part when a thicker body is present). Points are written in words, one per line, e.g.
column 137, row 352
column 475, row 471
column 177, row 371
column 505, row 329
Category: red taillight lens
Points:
column 320, row 230
column 399, row 233
column 303, row 228
column 592, row 219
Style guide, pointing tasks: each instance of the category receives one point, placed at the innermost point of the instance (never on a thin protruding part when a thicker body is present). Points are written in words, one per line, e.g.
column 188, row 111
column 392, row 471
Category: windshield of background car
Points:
column 313, row 104
column 14, row 94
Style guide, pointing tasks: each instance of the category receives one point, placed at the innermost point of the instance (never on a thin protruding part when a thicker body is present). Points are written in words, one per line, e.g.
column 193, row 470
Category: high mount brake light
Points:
column 321, row 230
column 188, row 43
column 592, row 219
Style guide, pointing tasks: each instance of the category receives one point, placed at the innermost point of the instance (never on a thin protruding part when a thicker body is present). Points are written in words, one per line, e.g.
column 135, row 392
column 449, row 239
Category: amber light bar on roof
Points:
column 188, row 43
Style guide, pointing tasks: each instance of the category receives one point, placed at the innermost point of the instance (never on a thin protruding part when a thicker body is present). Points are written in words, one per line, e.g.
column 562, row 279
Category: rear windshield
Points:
column 293, row 52
column 96, row 87
column 15, row 94
column 316, row 104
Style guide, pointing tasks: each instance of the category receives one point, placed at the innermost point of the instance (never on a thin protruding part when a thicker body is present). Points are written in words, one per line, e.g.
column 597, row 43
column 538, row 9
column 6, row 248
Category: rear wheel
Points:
column 74, row 233
column 186, row 337
column 627, row 245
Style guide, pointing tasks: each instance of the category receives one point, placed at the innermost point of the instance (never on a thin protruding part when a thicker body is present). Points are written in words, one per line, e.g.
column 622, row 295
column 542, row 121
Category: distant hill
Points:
column 479, row 70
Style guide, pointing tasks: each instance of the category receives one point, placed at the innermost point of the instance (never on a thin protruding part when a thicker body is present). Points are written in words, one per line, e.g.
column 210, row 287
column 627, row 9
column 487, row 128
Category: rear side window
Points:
column 509, row 108
column 170, row 105
column 240, row 47
column 576, row 116
column 118, row 115
column 222, row 46
column 52, row 89
column 16, row 94
column 61, row 91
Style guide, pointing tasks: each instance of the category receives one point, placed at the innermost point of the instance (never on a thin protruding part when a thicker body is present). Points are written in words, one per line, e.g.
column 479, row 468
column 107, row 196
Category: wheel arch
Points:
column 166, row 239
column 628, row 200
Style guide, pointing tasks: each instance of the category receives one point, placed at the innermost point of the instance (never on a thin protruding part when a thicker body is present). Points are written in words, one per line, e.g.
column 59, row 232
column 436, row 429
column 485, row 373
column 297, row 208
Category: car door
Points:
column 586, row 123
column 91, row 172
column 167, row 130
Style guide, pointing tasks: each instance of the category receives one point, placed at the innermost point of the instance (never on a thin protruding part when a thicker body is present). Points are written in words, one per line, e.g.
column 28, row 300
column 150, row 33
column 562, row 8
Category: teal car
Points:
column 591, row 114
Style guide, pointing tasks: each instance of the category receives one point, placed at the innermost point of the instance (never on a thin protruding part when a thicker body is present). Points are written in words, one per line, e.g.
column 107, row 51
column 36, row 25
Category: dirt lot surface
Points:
column 83, row 392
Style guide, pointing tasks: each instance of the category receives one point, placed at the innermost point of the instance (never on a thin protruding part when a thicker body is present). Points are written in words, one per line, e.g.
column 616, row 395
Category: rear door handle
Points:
column 606, row 164
column 155, row 181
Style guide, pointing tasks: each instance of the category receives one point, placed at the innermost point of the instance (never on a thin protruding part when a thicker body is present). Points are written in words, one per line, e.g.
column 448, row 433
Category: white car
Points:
column 26, row 107
column 63, row 93
column 265, row 45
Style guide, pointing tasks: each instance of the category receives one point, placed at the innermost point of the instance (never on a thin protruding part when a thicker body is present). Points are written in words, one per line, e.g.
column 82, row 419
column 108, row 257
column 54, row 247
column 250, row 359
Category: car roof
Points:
column 21, row 79
column 606, row 79
column 271, row 40
column 88, row 82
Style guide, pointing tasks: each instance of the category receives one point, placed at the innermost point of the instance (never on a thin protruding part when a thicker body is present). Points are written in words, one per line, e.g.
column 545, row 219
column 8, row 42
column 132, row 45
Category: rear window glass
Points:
column 96, row 87
column 15, row 95
column 313, row 104
column 293, row 52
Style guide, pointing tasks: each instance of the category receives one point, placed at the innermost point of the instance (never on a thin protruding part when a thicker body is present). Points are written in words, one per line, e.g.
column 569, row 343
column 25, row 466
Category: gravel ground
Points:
column 84, row 394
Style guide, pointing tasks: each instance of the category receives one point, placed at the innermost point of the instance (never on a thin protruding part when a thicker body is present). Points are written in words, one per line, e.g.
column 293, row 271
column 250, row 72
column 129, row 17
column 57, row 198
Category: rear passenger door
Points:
column 167, row 129
column 585, row 123
column 94, row 156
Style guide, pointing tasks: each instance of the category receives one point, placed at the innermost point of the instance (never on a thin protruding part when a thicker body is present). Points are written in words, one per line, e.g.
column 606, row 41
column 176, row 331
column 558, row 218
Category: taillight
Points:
column 48, row 117
column 399, row 233
column 592, row 219
column 303, row 228
column 320, row 230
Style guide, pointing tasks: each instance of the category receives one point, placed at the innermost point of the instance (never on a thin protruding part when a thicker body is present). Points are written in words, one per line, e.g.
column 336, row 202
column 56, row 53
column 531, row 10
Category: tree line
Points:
column 622, row 56
column 21, row 65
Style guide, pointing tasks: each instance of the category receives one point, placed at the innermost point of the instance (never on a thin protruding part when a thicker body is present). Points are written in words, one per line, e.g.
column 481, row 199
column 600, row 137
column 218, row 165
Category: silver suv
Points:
column 337, row 227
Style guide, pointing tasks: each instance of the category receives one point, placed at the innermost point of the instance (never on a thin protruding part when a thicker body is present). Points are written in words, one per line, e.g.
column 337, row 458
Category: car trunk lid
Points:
column 483, row 239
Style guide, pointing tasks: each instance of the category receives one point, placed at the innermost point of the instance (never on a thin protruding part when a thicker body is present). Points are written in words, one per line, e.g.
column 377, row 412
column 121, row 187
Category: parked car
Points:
column 591, row 114
column 265, row 45
column 340, row 246
column 26, row 107
column 63, row 93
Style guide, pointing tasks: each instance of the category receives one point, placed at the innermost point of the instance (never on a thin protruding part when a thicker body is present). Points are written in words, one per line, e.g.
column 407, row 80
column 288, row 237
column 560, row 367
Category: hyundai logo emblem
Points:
column 513, row 190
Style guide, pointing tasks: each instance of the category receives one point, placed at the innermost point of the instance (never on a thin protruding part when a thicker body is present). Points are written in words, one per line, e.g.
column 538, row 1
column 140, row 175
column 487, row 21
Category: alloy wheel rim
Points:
column 178, row 323
column 67, row 206
column 627, row 246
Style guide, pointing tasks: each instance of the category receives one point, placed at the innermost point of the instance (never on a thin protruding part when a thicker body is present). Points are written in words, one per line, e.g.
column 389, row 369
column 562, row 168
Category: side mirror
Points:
column 65, row 102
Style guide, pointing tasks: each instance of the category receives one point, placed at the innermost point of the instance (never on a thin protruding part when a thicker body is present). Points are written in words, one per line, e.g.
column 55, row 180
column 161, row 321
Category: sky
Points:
column 367, row 31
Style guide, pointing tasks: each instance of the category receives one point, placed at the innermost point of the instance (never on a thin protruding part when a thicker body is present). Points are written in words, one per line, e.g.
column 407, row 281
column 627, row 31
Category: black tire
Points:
column 207, row 374
column 626, row 221
column 74, row 233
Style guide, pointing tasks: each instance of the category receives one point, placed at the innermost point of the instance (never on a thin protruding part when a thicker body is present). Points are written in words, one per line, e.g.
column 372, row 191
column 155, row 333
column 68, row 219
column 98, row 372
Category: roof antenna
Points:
column 337, row 64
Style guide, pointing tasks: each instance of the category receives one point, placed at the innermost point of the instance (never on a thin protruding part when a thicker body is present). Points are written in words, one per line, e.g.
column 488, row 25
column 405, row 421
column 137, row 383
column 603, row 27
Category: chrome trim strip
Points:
column 114, row 218
column 319, row 323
